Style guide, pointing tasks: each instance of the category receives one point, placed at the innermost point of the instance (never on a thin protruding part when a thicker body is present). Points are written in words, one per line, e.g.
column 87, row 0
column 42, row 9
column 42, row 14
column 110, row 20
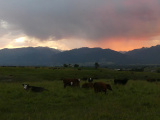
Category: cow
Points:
column 121, row 81
column 87, row 85
column 90, row 79
column 101, row 87
column 33, row 88
column 71, row 82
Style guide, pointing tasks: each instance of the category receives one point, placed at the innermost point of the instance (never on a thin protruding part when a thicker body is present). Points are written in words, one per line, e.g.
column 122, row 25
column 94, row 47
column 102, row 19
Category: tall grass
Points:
column 137, row 100
column 50, row 74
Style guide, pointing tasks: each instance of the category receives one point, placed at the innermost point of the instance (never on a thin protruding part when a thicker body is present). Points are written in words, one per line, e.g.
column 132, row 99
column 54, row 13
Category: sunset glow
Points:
column 21, row 39
column 120, row 44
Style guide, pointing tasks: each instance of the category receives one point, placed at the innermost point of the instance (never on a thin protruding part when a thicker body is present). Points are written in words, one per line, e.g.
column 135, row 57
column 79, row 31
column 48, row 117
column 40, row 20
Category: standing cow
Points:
column 71, row 82
column 101, row 87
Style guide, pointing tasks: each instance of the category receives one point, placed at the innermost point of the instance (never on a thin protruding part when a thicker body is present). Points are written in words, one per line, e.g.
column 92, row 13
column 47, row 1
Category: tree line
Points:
column 96, row 65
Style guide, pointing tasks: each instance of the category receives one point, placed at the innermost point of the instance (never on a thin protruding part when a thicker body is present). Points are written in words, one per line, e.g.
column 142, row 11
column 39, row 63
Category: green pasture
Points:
column 137, row 100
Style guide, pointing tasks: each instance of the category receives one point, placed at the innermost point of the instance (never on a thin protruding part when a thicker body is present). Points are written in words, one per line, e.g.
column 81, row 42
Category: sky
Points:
column 120, row 25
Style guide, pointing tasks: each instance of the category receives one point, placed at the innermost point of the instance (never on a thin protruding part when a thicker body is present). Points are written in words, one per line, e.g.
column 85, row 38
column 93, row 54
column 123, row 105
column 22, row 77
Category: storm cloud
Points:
column 81, row 19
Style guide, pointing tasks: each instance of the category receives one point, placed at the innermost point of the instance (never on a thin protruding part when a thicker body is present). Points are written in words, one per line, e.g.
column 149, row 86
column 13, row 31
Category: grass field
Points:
column 137, row 100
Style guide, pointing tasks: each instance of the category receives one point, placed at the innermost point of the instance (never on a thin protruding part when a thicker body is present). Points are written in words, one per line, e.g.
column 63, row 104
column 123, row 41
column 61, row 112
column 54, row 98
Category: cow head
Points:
column 90, row 80
column 25, row 86
column 71, row 83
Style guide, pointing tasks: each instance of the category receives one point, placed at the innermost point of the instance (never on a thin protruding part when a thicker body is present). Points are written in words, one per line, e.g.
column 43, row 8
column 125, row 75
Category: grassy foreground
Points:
column 137, row 100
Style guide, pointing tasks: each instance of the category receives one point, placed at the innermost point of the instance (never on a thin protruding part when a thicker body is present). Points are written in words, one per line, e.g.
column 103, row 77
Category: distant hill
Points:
column 44, row 56
column 91, row 55
column 147, row 55
column 30, row 56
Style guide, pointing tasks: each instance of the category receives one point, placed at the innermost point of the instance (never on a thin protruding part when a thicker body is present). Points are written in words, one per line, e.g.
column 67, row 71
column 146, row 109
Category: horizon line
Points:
column 74, row 48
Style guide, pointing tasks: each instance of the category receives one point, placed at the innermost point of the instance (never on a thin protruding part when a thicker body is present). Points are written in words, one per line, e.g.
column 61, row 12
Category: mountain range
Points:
column 44, row 56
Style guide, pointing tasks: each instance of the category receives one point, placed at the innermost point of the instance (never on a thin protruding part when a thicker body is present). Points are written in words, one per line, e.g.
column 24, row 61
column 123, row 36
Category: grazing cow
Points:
column 33, row 88
column 87, row 85
column 121, row 81
column 90, row 79
column 71, row 82
column 101, row 87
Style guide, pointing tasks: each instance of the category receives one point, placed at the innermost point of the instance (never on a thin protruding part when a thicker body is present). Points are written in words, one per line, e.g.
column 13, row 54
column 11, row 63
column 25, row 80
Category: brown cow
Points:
column 87, row 85
column 101, row 87
column 71, row 82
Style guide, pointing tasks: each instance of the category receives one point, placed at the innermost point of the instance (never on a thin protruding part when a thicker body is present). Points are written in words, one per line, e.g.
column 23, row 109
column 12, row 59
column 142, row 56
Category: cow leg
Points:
column 105, row 91
column 95, row 90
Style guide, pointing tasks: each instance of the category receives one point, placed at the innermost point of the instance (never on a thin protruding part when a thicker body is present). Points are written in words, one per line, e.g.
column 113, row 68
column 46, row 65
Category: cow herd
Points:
column 97, row 86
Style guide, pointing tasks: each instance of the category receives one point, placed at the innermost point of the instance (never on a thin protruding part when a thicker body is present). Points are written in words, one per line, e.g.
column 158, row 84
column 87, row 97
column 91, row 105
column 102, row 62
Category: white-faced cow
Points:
column 71, row 82
column 101, row 87
column 33, row 88
column 90, row 79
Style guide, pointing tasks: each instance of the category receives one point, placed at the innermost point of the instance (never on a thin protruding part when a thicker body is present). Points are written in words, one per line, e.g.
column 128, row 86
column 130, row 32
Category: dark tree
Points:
column 76, row 65
column 65, row 65
column 96, row 65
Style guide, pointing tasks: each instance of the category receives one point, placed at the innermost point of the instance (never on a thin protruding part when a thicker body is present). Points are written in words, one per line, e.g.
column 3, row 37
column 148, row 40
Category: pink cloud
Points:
column 91, row 20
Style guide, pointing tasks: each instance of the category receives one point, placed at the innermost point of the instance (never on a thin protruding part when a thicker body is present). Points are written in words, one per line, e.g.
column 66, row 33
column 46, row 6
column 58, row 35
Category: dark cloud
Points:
column 86, row 19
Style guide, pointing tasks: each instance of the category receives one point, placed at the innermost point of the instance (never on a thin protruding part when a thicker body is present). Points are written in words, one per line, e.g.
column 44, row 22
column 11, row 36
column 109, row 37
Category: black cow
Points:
column 71, row 82
column 33, row 88
column 101, row 87
column 121, row 81
column 87, row 85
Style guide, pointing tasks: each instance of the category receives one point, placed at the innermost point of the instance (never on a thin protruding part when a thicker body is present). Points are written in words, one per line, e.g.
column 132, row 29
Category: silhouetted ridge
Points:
column 44, row 56
column 27, row 56
column 147, row 55
column 86, row 55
